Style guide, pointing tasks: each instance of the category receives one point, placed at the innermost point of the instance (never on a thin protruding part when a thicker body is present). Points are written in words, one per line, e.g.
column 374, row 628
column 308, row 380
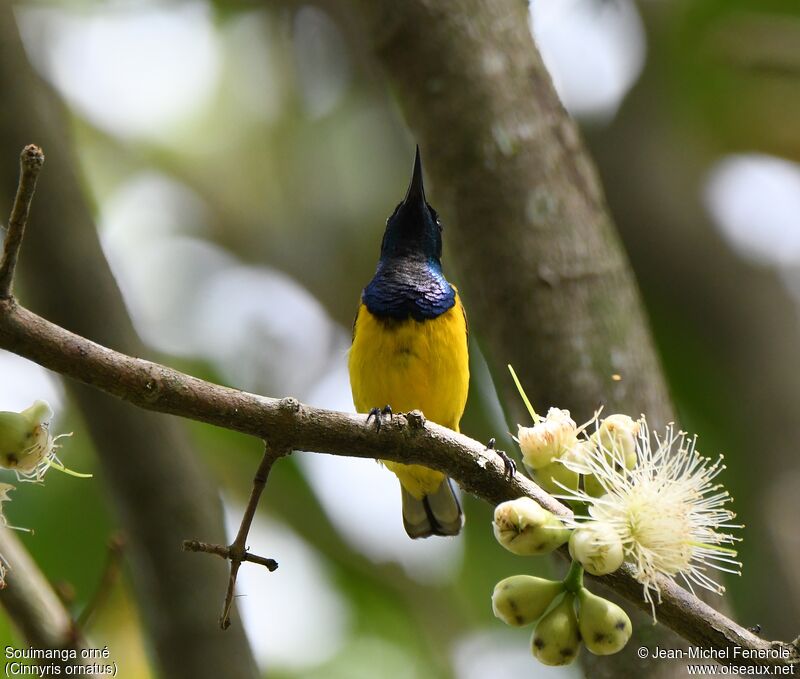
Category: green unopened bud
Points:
column 14, row 432
column 566, row 470
column 521, row 599
column 597, row 547
column 548, row 475
column 592, row 486
column 617, row 436
column 24, row 437
column 39, row 413
column 526, row 529
column 556, row 639
column 547, row 440
column 604, row 626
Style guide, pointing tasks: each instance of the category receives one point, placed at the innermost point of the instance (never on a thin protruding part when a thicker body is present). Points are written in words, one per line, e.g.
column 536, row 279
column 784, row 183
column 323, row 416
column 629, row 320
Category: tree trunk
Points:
column 546, row 283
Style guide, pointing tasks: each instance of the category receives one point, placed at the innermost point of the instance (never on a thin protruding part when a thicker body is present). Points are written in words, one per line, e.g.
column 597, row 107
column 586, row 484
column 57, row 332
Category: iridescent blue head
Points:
column 414, row 229
column 409, row 282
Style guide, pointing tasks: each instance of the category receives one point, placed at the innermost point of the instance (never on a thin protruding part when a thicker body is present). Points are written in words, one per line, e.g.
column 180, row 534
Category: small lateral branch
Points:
column 30, row 163
column 237, row 552
column 236, row 557
column 225, row 552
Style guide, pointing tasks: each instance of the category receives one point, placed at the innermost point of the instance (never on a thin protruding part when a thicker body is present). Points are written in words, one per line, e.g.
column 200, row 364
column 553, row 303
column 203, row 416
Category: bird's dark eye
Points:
column 435, row 216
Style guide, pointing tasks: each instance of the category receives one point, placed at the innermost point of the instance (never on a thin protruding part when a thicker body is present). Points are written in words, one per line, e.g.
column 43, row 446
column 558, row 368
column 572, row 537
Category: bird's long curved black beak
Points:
column 416, row 191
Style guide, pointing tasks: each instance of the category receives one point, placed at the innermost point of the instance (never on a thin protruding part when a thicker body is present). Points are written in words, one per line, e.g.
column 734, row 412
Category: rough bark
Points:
column 546, row 283
column 548, row 286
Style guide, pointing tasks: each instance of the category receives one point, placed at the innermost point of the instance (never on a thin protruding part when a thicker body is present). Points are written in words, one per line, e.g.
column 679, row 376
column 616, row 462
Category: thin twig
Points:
column 225, row 553
column 237, row 552
column 238, row 548
column 109, row 576
column 30, row 163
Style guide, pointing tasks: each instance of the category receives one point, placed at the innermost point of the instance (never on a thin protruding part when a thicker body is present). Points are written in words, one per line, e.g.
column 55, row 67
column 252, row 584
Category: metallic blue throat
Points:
column 409, row 288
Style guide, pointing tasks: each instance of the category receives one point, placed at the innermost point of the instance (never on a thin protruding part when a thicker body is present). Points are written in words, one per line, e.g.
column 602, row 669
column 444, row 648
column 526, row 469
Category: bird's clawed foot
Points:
column 379, row 414
column 509, row 464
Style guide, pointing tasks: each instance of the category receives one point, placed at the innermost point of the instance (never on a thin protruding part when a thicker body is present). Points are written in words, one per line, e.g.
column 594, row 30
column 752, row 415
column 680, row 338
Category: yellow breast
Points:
column 411, row 364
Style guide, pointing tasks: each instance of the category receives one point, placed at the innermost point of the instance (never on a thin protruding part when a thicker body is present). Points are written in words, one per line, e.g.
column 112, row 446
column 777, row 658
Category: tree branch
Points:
column 237, row 552
column 32, row 604
column 30, row 163
column 288, row 424
column 109, row 576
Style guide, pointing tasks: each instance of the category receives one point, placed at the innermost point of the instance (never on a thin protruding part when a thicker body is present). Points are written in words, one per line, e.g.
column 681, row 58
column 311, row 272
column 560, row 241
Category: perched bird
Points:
column 410, row 351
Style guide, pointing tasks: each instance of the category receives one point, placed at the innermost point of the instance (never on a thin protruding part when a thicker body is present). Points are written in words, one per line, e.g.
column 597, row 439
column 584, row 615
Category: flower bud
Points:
column 617, row 436
column 556, row 639
column 39, row 413
column 521, row 599
column 547, row 476
column 14, row 432
column 526, row 529
column 597, row 547
column 578, row 460
column 547, row 440
column 592, row 486
column 24, row 438
column 604, row 626
column 567, row 469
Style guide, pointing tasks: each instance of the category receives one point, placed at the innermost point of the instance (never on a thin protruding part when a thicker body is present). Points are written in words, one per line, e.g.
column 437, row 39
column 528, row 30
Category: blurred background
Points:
column 241, row 159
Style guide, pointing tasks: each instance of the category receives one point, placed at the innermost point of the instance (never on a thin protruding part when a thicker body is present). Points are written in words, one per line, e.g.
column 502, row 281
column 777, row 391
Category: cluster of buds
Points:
column 648, row 499
column 579, row 617
column 651, row 501
column 554, row 446
column 565, row 613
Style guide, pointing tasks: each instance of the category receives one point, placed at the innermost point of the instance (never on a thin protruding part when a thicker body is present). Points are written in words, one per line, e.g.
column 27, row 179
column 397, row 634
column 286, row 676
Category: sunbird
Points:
column 409, row 351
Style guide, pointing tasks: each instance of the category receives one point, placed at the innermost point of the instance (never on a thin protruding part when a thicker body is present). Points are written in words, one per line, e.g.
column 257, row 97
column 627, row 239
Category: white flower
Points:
column 548, row 439
column 668, row 513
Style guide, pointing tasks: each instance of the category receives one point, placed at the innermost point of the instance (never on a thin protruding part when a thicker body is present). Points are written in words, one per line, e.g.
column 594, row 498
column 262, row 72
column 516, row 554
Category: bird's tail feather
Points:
column 436, row 514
